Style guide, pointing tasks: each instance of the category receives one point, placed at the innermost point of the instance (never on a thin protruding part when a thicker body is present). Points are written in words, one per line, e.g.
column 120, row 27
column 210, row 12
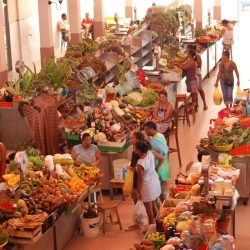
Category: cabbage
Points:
column 100, row 137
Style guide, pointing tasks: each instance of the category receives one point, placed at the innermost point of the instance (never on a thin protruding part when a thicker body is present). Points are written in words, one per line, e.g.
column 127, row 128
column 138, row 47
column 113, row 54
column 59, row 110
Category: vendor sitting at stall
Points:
column 86, row 153
column 87, row 26
column 2, row 160
column 163, row 113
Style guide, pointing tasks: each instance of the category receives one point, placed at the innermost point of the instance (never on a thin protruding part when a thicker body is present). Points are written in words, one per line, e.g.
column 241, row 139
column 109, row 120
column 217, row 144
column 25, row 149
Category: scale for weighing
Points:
column 22, row 160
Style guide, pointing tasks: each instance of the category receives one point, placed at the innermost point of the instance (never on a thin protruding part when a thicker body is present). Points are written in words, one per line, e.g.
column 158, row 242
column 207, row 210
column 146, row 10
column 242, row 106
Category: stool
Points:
column 94, row 190
column 191, row 110
column 116, row 184
column 174, row 131
column 182, row 98
column 111, row 207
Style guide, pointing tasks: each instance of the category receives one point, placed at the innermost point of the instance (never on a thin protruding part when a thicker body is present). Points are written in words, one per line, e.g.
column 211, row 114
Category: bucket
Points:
column 120, row 168
column 90, row 227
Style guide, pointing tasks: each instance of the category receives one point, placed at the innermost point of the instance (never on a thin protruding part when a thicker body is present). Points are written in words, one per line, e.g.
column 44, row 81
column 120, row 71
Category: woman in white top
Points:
column 148, row 187
column 228, row 35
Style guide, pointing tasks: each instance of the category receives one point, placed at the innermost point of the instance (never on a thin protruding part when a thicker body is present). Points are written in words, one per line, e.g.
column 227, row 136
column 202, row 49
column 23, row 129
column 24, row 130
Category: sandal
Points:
column 205, row 107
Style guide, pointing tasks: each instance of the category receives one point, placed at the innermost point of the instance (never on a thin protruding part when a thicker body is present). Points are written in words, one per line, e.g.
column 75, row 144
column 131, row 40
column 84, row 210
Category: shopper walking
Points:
column 149, row 189
column 226, row 78
column 163, row 113
column 158, row 143
column 86, row 153
column 190, row 69
column 228, row 36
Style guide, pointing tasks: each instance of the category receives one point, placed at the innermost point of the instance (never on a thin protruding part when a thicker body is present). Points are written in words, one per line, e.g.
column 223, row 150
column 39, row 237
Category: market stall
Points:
column 41, row 195
column 199, row 211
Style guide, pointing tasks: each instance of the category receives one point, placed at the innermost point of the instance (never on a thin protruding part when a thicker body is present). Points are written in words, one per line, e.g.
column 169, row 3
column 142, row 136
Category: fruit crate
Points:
column 73, row 139
column 26, row 236
column 156, row 242
column 117, row 147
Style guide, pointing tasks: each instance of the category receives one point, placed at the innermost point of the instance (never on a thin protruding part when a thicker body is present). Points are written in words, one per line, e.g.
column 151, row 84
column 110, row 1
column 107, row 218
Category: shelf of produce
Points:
column 136, row 60
column 145, row 52
column 69, row 97
column 109, row 77
column 145, row 43
column 146, row 61
column 135, row 51
column 110, row 66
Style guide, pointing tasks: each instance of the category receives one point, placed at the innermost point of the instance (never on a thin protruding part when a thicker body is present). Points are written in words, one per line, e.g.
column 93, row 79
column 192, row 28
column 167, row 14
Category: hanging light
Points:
column 60, row 4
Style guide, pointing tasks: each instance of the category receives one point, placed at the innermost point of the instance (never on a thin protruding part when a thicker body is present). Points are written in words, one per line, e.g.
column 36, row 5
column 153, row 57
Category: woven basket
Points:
column 4, row 199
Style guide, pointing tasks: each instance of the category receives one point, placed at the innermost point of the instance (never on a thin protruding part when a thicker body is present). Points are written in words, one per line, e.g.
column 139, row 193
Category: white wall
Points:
column 24, row 32
column 230, row 11
column 87, row 6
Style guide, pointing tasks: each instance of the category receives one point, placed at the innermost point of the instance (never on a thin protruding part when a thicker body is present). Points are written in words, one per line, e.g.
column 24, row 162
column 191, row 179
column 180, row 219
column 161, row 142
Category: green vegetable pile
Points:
column 86, row 94
column 87, row 46
column 238, row 136
column 221, row 141
column 146, row 99
column 149, row 98
column 36, row 162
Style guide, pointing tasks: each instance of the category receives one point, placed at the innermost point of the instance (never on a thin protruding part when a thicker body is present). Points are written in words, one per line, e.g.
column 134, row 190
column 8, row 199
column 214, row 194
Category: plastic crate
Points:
column 73, row 140
column 6, row 104
column 121, row 149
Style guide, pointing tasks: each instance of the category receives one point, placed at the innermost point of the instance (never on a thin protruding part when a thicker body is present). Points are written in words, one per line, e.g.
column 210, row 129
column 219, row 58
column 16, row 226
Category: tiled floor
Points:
column 188, row 137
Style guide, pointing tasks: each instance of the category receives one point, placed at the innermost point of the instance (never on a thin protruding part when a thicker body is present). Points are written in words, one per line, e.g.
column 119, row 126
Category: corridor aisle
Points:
column 189, row 138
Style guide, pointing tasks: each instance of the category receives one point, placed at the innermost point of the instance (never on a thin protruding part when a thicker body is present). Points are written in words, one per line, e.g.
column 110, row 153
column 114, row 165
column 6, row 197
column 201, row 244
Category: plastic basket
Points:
column 6, row 104
column 156, row 242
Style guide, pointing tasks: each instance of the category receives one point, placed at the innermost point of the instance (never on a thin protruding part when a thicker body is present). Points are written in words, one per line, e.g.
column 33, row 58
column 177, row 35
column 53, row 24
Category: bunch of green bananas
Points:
column 31, row 184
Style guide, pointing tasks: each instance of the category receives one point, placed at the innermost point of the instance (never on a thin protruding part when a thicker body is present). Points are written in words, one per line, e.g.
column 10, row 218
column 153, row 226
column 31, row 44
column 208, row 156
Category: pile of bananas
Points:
column 169, row 220
column 11, row 179
column 90, row 170
column 31, row 184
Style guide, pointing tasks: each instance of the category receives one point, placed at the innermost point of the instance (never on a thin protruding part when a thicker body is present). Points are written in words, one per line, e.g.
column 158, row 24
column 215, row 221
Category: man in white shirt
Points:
column 64, row 28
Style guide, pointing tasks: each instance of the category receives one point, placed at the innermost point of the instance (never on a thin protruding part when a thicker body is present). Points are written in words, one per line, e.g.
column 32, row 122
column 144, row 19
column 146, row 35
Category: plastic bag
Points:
column 238, row 95
column 217, row 97
column 140, row 216
column 128, row 185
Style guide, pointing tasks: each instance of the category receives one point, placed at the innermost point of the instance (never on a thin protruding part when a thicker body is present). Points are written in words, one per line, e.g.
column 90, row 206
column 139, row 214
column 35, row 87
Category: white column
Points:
column 74, row 10
column 99, row 18
column 46, row 34
column 3, row 61
column 198, row 13
column 217, row 10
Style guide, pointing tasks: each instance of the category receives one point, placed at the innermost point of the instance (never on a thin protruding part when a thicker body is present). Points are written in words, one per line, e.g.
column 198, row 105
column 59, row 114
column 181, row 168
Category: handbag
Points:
column 128, row 185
